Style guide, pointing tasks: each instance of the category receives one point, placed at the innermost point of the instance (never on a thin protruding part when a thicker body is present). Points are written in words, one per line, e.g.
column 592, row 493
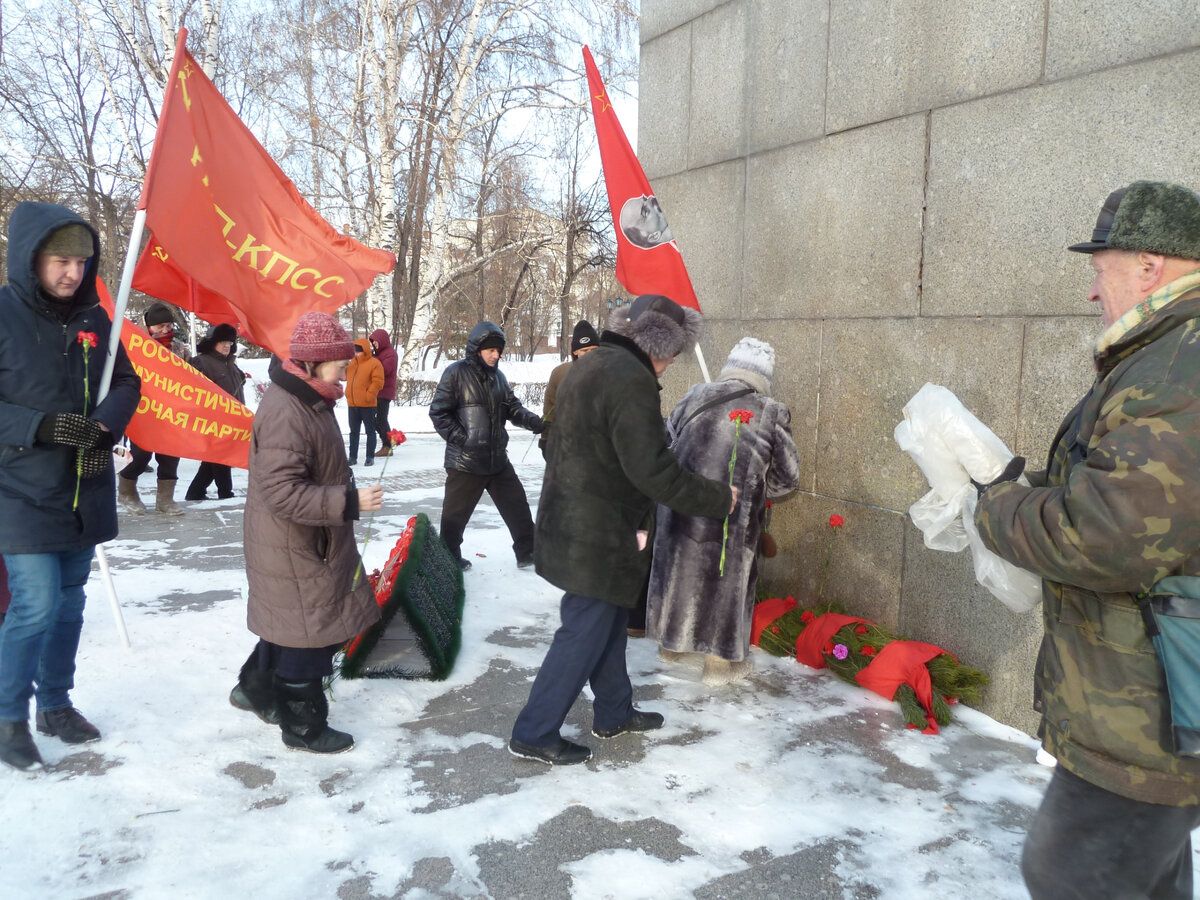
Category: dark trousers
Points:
column 296, row 663
column 168, row 466
column 1086, row 842
column 381, row 422
column 361, row 417
column 463, row 491
column 588, row 648
column 206, row 475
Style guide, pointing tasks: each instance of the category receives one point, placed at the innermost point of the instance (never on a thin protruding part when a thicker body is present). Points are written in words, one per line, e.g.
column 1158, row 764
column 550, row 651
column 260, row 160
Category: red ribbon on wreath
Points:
column 817, row 634
column 387, row 576
column 767, row 612
column 903, row 662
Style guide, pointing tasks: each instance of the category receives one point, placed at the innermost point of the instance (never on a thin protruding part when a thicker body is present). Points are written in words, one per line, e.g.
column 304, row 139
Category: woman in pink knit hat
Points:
column 305, row 600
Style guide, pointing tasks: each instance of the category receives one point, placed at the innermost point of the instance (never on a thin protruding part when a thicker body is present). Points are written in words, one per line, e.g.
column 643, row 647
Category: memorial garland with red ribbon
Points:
column 923, row 678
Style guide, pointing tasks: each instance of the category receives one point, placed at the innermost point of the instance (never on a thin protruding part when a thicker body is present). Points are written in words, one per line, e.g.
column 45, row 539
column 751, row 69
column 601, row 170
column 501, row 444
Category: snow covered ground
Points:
column 791, row 784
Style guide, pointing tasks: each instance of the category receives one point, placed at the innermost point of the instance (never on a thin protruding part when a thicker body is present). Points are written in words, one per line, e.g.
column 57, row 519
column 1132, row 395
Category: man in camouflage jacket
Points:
column 1117, row 510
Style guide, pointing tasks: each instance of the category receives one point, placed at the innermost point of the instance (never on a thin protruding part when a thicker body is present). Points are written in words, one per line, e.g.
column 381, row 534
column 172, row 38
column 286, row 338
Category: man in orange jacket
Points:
column 364, row 380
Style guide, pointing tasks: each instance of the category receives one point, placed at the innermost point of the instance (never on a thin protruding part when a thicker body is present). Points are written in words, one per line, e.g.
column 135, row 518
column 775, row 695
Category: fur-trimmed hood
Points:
column 658, row 325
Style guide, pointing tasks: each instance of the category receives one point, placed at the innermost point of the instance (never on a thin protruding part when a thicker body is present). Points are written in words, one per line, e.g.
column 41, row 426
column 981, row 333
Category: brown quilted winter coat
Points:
column 299, row 544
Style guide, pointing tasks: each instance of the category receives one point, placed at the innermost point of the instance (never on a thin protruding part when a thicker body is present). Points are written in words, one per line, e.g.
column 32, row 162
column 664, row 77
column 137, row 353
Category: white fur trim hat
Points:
column 751, row 361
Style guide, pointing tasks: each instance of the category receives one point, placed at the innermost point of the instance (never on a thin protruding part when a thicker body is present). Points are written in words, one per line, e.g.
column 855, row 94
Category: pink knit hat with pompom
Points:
column 318, row 337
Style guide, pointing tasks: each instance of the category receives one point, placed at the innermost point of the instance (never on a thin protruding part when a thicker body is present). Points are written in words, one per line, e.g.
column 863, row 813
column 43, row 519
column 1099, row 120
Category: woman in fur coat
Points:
column 693, row 608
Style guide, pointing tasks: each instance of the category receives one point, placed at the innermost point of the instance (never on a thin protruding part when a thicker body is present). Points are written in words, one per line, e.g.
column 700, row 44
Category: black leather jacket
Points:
column 472, row 404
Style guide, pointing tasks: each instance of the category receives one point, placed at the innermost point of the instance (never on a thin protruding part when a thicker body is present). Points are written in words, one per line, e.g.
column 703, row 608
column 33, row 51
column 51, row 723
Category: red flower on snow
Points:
column 836, row 521
column 87, row 338
column 396, row 436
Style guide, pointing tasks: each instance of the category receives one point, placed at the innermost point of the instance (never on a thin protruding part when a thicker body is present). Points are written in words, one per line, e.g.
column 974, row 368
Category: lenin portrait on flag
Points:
column 643, row 222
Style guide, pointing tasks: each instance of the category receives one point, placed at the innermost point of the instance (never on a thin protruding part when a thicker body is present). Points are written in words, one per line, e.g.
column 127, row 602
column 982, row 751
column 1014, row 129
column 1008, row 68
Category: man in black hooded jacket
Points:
column 56, row 470
column 472, row 405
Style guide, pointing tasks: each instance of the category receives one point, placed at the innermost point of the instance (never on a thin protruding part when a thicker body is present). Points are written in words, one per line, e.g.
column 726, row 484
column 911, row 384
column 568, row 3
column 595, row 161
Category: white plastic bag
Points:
column 951, row 447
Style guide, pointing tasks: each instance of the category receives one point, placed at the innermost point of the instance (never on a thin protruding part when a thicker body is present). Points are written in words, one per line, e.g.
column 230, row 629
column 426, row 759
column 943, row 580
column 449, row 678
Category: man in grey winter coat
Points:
column 472, row 405
column 56, row 469
column 607, row 466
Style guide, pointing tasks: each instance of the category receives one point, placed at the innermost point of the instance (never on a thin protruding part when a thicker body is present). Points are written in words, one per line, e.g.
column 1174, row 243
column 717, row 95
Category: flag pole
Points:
column 703, row 364
column 114, row 335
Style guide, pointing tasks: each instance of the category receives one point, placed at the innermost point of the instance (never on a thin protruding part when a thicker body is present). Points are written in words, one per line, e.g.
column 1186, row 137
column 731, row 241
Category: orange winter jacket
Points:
column 364, row 376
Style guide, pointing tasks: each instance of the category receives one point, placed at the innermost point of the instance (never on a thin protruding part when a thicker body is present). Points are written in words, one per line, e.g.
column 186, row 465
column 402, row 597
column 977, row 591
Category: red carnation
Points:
column 836, row 521
column 742, row 416
column 88, row 338
column 775, row 629
column 396, row 436
column 807, row 616
column 867, row 650
column 860, row 629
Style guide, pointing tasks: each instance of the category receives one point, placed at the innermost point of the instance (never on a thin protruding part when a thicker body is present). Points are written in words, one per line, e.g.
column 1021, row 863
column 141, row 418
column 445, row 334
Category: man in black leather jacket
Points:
column 472, row 405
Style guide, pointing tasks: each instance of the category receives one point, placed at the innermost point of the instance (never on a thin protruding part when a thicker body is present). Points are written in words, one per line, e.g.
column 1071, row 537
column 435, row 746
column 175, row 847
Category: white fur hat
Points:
column 751, row 361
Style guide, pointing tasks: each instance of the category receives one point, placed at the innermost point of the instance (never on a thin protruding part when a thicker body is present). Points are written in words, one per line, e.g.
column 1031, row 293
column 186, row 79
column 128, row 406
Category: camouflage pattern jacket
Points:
column 1117, row 510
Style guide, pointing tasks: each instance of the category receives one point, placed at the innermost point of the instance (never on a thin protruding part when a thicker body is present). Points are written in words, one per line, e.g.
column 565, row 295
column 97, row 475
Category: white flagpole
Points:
column 703, row 364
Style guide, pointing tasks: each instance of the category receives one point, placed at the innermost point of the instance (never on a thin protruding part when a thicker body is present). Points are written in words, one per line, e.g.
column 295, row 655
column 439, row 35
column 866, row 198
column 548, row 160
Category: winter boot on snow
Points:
column 128, row 497
column 165, row 501
column 255, row 691
column 718, row 671
column 304, row 717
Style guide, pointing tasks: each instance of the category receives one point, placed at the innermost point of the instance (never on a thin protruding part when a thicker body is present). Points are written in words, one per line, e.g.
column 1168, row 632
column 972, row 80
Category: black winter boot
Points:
column 255, row 691
column 304, row 717
column 17, row 748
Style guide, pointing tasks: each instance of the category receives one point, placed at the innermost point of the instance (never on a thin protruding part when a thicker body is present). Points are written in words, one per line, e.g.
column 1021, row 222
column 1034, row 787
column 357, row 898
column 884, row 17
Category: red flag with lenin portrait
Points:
column 228, row 217
column 180, row 413
column 648, row 259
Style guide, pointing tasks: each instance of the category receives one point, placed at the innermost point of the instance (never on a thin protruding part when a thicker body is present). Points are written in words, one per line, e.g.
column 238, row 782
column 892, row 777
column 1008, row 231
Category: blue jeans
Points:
column 41, row 632
column 589, row 648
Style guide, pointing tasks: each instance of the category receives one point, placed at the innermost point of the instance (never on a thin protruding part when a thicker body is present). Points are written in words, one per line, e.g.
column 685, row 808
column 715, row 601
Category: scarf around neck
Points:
column 331, row 393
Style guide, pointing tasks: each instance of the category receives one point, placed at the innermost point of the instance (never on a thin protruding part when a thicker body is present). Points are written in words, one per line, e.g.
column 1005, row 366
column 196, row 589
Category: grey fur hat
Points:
column 658, row 325
column 751, row 361
column 1155, row 216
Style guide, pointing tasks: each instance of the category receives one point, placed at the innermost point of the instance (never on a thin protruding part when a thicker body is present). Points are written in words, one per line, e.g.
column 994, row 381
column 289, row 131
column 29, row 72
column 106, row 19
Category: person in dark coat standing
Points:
column 381, row 344
column 160, row 322
column 308, row 593
column 56, row 466
column 472, row 405
column 694, row 606
column 583, row 339
column 608, row 465
column 216, row 360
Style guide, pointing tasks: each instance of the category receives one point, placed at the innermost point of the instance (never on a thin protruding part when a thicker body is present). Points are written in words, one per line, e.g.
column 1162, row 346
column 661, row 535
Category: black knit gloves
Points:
column 94, row 462
column 1011, row 472
column 69, row 429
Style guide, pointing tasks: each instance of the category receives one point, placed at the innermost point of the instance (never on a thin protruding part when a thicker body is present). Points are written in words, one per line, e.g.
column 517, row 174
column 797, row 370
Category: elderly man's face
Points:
column 60, row 276
column 490, row 356
column 1118, row 285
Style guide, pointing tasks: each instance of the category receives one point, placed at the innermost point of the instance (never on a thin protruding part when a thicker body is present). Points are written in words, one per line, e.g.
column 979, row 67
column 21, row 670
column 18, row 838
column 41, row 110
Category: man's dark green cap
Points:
column 1155, row 216
column 70, row 240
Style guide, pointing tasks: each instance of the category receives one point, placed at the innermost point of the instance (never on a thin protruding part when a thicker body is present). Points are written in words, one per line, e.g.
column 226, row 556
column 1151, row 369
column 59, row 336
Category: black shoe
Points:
column 68, row 725
column 228, row 496
column 17, row 748
column 564, row 753
column 194, row 498
column 524, row 562
column 464, row 564
column 370, row 460
column 255, row 691
column 638, row 722
column 304, row 717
